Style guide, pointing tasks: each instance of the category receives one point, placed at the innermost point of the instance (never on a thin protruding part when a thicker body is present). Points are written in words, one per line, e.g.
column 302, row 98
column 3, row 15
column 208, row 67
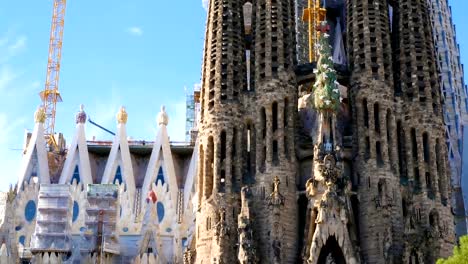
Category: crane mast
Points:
column 51, row 95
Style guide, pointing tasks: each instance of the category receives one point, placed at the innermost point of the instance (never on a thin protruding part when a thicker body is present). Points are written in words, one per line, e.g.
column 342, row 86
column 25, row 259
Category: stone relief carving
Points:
column 275, row 198
column 247, row 251
column 221, row 228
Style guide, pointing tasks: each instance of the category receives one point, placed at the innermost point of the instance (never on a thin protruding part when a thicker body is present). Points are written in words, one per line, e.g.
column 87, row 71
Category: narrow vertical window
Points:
column 367, row 153
column 285, row 115
column 263, row 121
column 414, row 144
column 275, row 116
column 366, row 112
column 376, row 118
column 223, row 145
column 401, row 151
column 378, row 150
column 275, row 156
column 426, row 147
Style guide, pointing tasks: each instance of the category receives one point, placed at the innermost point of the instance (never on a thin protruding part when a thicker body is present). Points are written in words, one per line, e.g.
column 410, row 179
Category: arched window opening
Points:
column 331, row 252
column 426, row 147
column 414, row 144
column 414, row 258
column 430, row 187
column 233, row 158
column 380, row 188
column 263, row 159
column 390, row 128
column 434, row 219
column 275, row 156
column 117, row 177
column 274, row 116
column 223, row 145
column 263, row 121
column 286, row 147
column 285, row 111
column 249, row 153
column 405, row 208
column 378, row 150
column 401, row 152
column 376, row 118
column 222, row 181
column 366, row 112
column 76, row 175
column 160, row 178
column 417, row 180
column 367, row 151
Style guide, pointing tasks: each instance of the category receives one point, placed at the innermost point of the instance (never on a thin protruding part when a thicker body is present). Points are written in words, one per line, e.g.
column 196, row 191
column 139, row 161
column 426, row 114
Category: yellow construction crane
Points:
column 313, row 15
column 51, row 95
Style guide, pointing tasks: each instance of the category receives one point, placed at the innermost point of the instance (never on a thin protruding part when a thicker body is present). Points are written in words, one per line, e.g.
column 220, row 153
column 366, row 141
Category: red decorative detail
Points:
column 151, row 197
column 323, row 28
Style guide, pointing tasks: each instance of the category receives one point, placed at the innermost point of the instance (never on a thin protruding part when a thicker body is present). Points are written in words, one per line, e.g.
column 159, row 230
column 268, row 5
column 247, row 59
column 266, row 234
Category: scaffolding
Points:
column 192, row 108
column 101, row 220
column 53, row 225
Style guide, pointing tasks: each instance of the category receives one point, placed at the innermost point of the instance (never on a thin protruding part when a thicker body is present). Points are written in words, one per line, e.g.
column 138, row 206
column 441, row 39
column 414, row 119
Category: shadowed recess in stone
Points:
column 160, row 177
column 118, row 176
column 76, row 175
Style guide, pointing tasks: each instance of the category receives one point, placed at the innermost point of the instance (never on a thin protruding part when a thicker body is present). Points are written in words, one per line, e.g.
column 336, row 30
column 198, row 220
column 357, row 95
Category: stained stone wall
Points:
column 404, row 188
column 398, row 165
column 246, row 134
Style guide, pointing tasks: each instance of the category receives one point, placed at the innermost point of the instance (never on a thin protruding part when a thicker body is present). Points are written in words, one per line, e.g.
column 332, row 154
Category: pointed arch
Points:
column 77, row 159
column 35, row 162
column 119, row 164
column 161, row 168
column 76, row 175
column 331, row 251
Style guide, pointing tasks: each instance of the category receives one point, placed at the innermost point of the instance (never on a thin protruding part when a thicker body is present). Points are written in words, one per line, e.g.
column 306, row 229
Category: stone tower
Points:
column 369, row 183
column 248, row 103
column 401, row 161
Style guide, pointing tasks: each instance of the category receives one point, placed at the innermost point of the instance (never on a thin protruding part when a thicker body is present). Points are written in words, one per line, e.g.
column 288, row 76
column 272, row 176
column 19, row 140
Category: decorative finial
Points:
column 122, row 116
column 81, row 116
column 40, row 115
column 163, row 118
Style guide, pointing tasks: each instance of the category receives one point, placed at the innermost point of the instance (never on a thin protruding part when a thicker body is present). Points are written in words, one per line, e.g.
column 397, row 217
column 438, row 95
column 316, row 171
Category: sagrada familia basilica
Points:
column 327, row 132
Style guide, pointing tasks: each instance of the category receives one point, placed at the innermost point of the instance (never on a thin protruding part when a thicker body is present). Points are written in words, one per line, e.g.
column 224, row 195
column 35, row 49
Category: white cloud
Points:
column 135, row 31
column 205, row 4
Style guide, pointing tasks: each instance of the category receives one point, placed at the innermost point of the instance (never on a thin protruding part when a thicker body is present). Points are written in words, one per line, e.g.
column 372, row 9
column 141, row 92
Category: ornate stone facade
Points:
column 366, row 177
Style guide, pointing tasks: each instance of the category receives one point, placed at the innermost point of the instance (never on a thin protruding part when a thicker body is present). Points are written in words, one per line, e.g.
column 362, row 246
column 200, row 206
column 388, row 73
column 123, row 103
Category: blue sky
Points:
column 139, row 53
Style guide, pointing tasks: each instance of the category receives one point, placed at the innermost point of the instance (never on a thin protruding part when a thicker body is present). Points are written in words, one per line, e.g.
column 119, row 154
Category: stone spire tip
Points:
column 81, row 116
column 122, row 116
column 163, row 118
column 40, row 115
